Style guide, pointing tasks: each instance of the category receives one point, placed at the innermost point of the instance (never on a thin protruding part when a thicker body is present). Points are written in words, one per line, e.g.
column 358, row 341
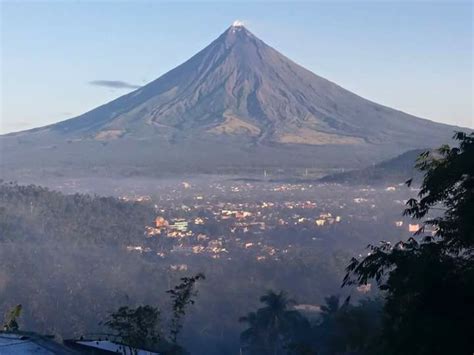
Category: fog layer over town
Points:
column 246, row 236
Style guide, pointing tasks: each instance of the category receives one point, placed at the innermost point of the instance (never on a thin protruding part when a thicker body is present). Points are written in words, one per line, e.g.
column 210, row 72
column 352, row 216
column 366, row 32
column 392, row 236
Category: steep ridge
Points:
column 236, row 95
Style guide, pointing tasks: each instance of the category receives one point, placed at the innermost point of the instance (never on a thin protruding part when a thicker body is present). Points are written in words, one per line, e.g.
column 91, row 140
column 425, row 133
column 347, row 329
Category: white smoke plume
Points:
column 237, row 23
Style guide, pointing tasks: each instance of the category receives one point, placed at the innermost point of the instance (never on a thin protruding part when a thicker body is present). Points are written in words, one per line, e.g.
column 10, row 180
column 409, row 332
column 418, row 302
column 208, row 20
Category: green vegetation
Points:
column 136, row 327
column 427, row 284
column 141, row 327
column 274, row 326
column 338, row 328
column 11, row 319
column 33, row 213
column 181, row 297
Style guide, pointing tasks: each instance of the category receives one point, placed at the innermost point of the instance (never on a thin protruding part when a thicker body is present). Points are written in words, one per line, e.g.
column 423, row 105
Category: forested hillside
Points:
column 64, row 259
column 30, row 213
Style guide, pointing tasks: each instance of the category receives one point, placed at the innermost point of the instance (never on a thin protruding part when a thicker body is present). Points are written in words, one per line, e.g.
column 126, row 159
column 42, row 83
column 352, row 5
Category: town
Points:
column 227, row 218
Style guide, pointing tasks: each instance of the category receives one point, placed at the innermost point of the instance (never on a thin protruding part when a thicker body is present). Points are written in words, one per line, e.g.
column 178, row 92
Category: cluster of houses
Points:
column 220, row 219
column 178, row 228
column 327, row 218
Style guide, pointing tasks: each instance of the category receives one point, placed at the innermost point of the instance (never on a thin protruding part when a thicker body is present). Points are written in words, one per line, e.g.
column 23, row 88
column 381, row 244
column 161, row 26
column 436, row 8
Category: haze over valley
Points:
column 237, row 204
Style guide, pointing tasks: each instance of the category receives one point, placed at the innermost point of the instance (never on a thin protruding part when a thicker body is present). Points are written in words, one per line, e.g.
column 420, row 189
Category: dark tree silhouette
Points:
column 273, row 327
column 140, row 328
column 428, row 282
column 347, row 328
column 253, row 338
column 182, row 296
column 137, row 327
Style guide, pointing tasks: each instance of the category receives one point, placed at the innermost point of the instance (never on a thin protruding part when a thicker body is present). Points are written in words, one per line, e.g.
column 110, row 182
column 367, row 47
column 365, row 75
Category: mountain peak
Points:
column 240, row 90
column 238, row 29
column 237, row 23
column 238, row 34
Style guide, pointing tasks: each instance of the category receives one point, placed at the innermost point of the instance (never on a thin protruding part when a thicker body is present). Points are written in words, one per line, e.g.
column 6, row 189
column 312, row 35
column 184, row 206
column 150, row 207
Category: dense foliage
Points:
column 347, row 328
column 141, row 327
column 278, row 328
column 428, row 282
column 137, row 327
column 273, row 327
column 30, row 213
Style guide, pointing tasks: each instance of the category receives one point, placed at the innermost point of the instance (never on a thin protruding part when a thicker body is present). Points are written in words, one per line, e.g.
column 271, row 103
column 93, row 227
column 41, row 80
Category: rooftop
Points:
column 19, row 343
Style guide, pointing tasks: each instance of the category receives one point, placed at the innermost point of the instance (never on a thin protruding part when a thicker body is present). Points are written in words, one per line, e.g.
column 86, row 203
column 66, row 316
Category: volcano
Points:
column 236, row 104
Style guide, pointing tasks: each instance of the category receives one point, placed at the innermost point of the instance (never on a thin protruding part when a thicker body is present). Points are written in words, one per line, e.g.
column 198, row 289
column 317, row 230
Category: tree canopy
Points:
column 137, row 327
column 428, row 280
column 273, row 328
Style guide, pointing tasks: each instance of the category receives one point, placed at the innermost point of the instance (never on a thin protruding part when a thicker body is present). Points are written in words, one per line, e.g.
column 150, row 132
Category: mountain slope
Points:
column 237, row 102
column 396, row 170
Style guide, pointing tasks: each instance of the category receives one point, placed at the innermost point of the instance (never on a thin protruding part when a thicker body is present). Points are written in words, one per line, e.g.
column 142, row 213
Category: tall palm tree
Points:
column 272, row 326
column 334, row 325
column 253, row 337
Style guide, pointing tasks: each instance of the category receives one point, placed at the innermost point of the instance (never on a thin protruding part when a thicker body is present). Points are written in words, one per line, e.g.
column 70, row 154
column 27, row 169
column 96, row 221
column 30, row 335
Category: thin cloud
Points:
column 114, row 84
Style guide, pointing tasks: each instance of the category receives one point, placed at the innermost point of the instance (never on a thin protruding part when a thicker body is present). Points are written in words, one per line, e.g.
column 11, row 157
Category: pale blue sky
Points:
column 413, row 56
